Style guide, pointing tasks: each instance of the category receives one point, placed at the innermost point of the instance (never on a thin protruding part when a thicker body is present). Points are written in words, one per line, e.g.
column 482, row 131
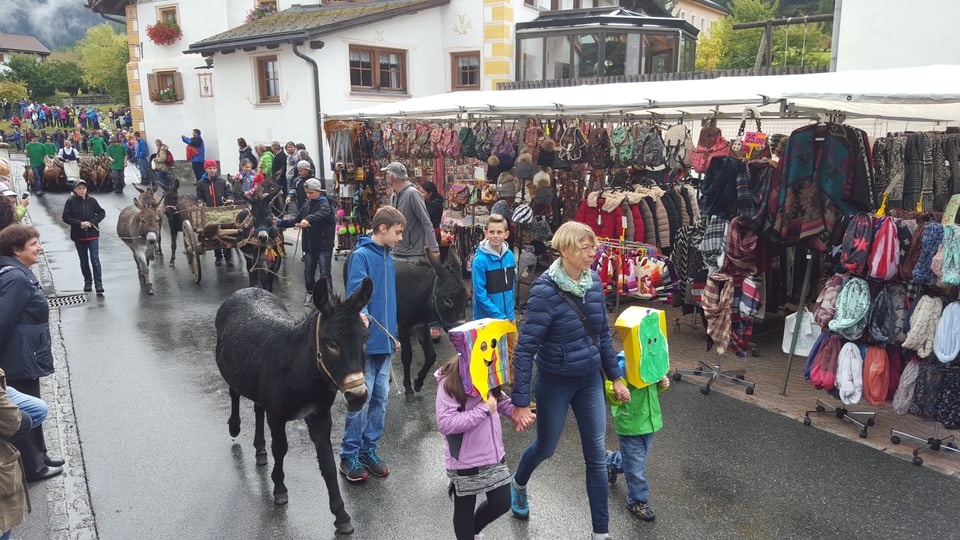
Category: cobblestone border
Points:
column 67, row 495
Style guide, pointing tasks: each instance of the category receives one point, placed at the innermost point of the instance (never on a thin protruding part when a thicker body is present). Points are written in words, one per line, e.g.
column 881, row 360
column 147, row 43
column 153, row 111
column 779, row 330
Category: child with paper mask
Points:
column 637, row 420
column 468, row 415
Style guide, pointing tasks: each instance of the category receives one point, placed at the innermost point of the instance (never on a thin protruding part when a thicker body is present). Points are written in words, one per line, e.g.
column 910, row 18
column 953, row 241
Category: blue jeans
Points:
column 89, row 253
column 364, row 427
column 33, row 406
column 631, row 462
column 38, row 177
column 555, row 395
column 314, row 261
column 144, row 170
column 163, row 178
column 5, row 536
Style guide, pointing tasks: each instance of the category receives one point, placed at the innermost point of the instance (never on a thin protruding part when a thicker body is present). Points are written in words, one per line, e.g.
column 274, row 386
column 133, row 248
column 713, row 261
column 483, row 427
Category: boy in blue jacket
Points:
column 371, row 258
column 494, row 279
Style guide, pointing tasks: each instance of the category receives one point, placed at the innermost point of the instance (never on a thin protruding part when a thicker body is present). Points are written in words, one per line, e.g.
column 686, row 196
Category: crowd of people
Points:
column 565, row 334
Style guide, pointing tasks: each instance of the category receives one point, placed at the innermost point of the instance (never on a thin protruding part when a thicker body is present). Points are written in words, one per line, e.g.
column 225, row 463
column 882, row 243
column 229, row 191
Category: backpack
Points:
column 468, row 142
column 423, row 143
column 599, row 144
column 449, row 145
column 710, row 144
column 532, row 137
column 650, row 149
column 572, row 145
column 623, row 144
column 484, row 142
column 502, row 143
column 169, row 157
column 679, row 147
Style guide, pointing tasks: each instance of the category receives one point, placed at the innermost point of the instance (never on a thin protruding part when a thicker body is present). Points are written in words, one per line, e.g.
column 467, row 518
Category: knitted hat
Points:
column 209, row 163
column 852, row 306
column 923, row 326
column 303, row 164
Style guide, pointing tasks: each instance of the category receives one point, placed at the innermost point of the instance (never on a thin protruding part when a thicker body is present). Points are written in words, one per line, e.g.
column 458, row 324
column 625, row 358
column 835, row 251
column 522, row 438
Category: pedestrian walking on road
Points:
column 371, row 259
column 161, row 164
column 317, row 223
column 25, row 349
column 408, row 200
column 83, row 214
column 566, row 332
column 36, row 153
column 140, row 154
column 117, row 152
column 472, row 450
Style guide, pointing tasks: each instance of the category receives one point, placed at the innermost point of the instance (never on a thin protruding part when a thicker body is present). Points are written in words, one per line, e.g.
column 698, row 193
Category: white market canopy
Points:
column 921, row 93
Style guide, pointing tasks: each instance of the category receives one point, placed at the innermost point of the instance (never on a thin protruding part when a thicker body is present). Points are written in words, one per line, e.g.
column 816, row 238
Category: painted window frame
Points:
column 375, row 71
column 455, row 70
column 276, row 3
column 163, row 10
column 262, row 78
column 156, row 82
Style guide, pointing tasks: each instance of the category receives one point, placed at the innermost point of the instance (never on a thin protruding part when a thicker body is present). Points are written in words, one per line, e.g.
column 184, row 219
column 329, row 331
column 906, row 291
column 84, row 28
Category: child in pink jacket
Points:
column 473, row 451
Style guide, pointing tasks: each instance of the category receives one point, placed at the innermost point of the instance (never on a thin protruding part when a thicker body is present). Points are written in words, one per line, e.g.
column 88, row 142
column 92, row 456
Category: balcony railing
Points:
column 684, row 76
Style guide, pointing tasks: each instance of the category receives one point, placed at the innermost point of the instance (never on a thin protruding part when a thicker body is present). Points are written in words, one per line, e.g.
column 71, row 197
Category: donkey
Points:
column 139, row 227
column 428, row 290
column 292, row 369
column 260, row 240
column 149, row 197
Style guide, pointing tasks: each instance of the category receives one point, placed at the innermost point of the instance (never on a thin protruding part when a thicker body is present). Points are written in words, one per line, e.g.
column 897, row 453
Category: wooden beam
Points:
column 784, row 22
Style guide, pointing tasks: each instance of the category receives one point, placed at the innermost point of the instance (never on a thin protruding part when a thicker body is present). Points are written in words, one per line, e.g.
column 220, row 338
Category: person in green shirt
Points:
column 97, row 144
column 635, row 422
column 118, row 156
column 36, row 153
column 49, row 148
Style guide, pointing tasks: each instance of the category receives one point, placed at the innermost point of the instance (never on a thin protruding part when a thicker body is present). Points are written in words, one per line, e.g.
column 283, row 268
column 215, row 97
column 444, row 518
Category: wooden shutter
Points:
column 178, row 85
column 151, row 85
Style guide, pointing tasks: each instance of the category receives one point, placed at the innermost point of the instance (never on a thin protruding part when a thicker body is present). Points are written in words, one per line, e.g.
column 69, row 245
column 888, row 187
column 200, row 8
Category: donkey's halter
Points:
column 323, row 366
column 436, row 310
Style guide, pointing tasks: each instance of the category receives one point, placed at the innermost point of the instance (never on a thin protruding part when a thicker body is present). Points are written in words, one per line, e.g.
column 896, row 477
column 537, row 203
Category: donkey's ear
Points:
column 321, row 296
column 362, row 295
column 138, row 188
column 434, row 261
column 137, row 203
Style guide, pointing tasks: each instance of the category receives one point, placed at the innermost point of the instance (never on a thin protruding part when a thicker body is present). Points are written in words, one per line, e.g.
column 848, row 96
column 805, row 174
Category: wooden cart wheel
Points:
column 191, row 246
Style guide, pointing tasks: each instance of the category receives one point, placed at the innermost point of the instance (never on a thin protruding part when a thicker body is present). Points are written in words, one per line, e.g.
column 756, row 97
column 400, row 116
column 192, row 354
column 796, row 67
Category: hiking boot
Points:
column 99, row 288
column 373, row 463
column 518, row 500
column 87, row 287
column 351, row 469
column 642, row 510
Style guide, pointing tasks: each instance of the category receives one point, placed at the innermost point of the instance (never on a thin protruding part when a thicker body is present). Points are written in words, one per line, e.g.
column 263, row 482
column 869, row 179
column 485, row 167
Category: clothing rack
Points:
column 642, row 249
column 869, row 417
column 715, row 373
column 934, row 443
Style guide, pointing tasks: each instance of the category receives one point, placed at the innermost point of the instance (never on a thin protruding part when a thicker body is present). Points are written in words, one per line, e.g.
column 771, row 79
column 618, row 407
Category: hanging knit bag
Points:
column 923, row 326
column 852, row 306
column 885, row 253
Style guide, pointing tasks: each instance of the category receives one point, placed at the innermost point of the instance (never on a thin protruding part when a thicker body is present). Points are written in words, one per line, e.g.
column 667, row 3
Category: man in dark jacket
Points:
column 317, row 223
column 212, row 191
column 83, row 213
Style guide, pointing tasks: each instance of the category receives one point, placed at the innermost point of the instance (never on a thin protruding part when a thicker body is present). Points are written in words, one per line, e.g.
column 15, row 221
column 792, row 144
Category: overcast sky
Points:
column 54, row 22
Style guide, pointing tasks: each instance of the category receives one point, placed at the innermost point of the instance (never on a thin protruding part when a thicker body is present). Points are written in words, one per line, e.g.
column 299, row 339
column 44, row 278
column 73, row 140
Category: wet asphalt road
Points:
column 151, row 412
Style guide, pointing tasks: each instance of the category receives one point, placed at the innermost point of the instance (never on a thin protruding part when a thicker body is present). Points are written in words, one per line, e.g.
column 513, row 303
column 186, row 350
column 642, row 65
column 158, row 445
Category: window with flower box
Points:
column 267, row 4
column 378, row 70
column 268, row 79
column 168, row 14
column 165, row 86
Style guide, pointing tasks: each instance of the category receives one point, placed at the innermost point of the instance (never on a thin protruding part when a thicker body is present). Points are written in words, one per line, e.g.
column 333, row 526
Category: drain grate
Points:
column 69, row 300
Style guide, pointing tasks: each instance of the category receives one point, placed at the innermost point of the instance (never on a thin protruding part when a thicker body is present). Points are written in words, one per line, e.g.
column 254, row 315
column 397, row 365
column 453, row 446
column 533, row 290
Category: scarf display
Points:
column 885, row 253
column 850, row 374
column 923, row 326
column 950, row 266
column 929, row 244
column 946, row 344
column 852, row 306
column 904, row 394
column 876, row 375
column 577, row 288
column 717, row 302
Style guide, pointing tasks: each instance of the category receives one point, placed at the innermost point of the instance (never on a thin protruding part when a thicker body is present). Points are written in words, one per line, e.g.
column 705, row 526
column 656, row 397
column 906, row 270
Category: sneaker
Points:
column 351, row 469
column 611, row 476
column 99, row 288
column 642, row 510
column 518, row 501
column 87, row 287
column 308, row 299
column 373, row 463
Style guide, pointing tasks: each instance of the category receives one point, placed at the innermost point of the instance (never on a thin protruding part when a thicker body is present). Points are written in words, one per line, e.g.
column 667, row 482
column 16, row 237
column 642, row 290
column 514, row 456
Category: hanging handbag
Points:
column 458, row 194
column 750, row 144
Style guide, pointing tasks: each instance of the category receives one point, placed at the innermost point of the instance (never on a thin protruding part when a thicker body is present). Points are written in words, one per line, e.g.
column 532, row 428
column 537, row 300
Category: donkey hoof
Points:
column 261, row 458
column 280, row 499
column 234, row 429
column 418, row 387
column 150, row 290
column 344, row 528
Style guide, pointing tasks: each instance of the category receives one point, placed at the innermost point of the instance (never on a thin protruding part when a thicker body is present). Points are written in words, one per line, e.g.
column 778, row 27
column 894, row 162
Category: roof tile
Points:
column 21, row 43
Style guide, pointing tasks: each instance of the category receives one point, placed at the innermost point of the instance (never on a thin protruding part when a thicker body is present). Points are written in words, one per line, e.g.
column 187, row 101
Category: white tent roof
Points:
column 928, row 92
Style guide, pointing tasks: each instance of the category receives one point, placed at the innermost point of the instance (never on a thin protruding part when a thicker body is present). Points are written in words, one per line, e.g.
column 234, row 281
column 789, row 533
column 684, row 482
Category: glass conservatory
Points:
column 603, row 42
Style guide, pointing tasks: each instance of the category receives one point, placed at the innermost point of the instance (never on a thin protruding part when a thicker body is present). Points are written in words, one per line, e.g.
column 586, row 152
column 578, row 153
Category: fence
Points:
column 683, row 76
column 89, row 99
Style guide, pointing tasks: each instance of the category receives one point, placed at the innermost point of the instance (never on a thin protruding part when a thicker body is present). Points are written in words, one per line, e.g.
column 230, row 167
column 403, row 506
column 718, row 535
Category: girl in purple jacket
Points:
column 473, row 451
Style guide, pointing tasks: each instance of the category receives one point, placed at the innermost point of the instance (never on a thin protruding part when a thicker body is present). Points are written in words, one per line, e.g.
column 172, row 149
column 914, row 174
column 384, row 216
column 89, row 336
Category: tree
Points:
column 726, row 48
column 104, row 56
column 67, row 76
column 25, row 69
column 12, row 91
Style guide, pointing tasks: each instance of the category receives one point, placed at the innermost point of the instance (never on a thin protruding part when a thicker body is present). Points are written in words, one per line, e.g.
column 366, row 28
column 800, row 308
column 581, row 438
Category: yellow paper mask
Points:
column 644, row 335
column 483, row 354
